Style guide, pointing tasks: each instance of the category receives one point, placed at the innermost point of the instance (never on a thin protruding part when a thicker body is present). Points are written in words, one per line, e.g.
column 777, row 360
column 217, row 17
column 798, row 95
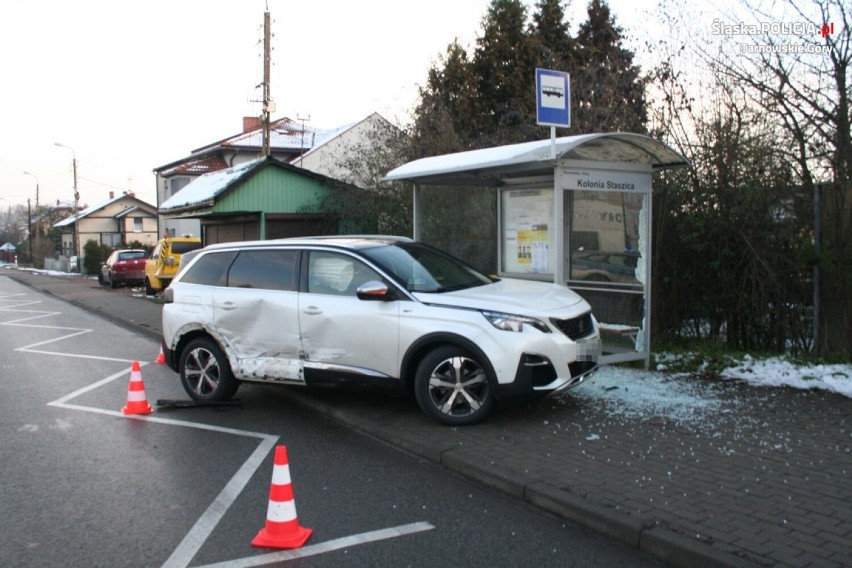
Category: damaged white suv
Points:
column 376, row 311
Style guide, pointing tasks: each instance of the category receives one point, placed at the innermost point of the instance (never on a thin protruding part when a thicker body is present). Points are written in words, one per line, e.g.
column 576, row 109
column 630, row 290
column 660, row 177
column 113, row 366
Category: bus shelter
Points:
column 574, row 210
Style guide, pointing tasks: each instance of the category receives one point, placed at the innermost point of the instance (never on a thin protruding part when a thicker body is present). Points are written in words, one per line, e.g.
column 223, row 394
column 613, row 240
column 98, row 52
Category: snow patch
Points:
column 781, row 373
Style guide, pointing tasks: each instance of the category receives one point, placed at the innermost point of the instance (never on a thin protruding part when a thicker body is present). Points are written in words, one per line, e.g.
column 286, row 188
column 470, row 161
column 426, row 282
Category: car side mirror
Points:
column 374, row 290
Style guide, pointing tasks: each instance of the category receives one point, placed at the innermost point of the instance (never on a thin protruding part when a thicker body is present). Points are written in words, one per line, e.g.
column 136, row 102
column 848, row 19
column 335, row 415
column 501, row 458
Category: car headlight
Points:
column 511, row 322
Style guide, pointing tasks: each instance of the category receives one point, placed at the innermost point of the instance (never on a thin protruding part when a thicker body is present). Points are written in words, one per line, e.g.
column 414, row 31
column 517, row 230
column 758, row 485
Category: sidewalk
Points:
column 718, row 473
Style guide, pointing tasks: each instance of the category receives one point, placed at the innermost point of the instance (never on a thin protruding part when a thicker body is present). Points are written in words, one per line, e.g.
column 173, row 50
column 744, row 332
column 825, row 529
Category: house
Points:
column 322, row 151
column 265, row 198
column 115, row 221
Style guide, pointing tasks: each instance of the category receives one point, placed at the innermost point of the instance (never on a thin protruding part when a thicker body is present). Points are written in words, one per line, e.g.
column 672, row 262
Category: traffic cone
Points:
column 137, row 403
column 282, row 528
column 161, row 358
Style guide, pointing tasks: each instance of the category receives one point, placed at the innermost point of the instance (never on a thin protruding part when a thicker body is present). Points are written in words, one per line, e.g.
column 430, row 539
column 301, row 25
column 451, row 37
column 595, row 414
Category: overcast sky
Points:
column 130, row 86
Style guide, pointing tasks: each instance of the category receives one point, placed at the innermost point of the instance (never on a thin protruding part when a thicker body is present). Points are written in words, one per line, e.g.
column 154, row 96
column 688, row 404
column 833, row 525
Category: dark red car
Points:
column 125, row 266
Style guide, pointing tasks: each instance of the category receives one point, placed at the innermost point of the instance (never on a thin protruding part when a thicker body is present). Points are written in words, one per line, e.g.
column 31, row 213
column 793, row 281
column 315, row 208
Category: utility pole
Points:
column 36, row 178
column 33, row 231
column 30, row 229
column 76, row 242
column 267, row 63
column 302, row 149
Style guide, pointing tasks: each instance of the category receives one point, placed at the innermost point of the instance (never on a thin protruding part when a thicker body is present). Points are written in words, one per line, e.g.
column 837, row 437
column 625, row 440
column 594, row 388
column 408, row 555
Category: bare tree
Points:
column 798, row 72
column 790, row 59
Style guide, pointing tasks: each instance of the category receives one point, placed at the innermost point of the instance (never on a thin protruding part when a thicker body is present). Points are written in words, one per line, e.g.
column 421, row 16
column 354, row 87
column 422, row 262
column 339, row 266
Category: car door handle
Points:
column 312, row 310
column 229, row 306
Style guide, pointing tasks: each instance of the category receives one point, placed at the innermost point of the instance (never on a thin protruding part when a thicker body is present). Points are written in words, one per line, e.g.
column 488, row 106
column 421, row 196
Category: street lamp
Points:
column 76, row 203
column 30, row 220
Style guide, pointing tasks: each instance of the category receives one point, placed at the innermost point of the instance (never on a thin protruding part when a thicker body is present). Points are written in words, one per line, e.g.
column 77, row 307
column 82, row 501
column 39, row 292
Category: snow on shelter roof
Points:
column 488, row 165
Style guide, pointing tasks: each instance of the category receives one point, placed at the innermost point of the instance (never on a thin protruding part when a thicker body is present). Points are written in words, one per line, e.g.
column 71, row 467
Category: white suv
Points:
column 380, row 311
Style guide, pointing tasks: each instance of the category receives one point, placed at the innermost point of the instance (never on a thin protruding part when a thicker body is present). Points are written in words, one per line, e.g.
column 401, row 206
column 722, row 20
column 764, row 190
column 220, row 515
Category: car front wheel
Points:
column 205, row 372
column 453, row 387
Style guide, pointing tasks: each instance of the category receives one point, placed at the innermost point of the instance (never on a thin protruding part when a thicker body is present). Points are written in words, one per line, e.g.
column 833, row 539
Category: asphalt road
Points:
column 85, row 485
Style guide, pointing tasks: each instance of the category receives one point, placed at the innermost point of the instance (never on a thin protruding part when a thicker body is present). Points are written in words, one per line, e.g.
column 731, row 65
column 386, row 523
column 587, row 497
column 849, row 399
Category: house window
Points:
column 137, row 225
column 111, row 239
column 177, row 184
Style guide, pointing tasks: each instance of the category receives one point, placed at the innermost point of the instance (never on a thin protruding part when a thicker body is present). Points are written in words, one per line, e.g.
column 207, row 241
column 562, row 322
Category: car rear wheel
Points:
column 149, row 290
column 205, row 372
column 453, row 387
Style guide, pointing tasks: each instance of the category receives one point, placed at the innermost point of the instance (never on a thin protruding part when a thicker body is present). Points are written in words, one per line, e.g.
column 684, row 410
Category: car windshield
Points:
column 421, row 268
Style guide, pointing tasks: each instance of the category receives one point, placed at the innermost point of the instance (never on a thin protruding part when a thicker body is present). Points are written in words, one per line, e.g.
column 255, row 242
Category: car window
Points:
column 267, row 269
column 181, row 247
column 132, row 255
column 338, row 274
column 211, row 269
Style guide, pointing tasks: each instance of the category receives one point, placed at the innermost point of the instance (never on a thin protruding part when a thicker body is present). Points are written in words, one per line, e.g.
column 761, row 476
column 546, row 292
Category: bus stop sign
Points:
column 552, row 98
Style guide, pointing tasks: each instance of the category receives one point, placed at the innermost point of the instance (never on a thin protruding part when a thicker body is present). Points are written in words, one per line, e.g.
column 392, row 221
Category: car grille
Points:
column 575, row 328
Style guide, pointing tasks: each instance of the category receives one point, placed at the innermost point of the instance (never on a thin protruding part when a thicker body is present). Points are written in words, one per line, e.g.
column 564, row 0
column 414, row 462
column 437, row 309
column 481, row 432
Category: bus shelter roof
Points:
column 488, row 166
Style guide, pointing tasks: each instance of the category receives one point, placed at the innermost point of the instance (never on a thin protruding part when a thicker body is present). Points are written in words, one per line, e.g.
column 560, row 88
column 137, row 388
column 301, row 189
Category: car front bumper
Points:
column 536, row 377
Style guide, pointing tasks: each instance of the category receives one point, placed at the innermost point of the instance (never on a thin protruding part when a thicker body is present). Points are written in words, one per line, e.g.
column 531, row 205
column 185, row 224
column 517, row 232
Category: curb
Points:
column 680, row 550
column 587, row 513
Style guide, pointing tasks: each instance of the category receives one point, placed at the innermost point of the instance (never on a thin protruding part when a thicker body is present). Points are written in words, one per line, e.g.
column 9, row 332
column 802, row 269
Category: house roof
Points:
column 286, row 136
column 137, row 204
column 198, row 166
column 487, row 166
column 330, row 135
column 204, row 190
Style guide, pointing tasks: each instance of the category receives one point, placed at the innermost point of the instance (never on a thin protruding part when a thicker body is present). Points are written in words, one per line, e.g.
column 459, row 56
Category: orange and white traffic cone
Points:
column 137, row 402
column 282, row 528
column 161, row 358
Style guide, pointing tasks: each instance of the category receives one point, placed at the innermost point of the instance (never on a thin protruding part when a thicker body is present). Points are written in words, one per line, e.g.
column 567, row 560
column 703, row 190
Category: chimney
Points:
column 112, row 195
column 251, row 123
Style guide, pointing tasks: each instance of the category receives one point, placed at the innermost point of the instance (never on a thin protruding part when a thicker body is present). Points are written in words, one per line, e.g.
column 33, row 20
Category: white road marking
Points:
column 198, row 534
column 204, row 526
column 43, row 314
column 323, row 547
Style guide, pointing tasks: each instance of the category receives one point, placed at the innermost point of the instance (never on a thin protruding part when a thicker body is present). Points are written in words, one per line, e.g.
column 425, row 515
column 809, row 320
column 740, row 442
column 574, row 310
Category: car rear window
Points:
column 181, row 247
column 211, row 269
column 132, row 255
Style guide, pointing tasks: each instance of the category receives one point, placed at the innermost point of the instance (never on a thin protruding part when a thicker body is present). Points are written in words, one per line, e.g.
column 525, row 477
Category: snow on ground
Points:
column 781, row 373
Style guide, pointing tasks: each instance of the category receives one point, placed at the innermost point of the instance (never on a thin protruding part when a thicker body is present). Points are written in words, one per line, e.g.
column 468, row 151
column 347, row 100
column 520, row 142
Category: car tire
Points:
column 101, row 278
column 112, row 283
column 149, row 291
column 452, row 387
column 205, row 372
